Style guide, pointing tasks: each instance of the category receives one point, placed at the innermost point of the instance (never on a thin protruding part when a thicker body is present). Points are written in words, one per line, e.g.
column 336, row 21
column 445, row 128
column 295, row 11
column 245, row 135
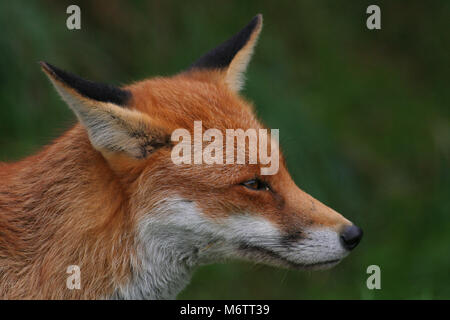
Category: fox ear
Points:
column 111, row 128
column 233, row 55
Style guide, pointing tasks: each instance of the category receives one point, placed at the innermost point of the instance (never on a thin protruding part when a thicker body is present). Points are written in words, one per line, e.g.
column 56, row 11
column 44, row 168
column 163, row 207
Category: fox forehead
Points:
column 178, row 101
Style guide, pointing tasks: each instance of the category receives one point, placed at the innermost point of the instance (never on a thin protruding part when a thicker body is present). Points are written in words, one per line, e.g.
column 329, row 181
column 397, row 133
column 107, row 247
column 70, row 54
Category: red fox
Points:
column 107, row 197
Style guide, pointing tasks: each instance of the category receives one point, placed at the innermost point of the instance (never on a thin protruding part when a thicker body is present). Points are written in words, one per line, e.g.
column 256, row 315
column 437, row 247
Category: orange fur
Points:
column 75, row 203
column 61, row 207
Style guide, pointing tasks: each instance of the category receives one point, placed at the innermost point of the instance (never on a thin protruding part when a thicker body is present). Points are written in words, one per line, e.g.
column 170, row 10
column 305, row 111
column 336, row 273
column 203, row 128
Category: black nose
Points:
column 351, row 236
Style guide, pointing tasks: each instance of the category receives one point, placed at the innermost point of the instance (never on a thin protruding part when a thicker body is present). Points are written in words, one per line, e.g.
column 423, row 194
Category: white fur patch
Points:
column 177, row 237
column 317, row 246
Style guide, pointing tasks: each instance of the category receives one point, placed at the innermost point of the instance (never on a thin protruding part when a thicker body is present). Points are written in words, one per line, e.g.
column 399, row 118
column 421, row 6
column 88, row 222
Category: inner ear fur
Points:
column 111, row 128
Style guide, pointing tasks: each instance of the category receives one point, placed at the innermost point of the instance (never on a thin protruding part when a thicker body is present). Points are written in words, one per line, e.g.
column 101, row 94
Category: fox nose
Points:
column 351, row 236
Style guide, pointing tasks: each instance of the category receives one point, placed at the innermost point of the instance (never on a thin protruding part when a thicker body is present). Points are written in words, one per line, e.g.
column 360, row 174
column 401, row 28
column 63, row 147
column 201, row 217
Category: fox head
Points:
column 200, row 213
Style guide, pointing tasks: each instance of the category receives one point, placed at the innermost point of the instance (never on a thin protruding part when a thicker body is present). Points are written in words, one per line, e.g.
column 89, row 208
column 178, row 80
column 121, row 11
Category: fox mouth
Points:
column 279, row 259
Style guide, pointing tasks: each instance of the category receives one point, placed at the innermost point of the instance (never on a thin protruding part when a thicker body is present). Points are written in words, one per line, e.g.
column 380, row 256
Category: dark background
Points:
column 363, row 117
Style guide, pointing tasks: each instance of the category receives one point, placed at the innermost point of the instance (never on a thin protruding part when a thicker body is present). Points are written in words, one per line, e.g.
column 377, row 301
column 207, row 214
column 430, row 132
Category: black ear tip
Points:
column 255, row 23
column 258, row 18
column 93, row 90
column 57, row 73
column 221, row 56
column 46, row 66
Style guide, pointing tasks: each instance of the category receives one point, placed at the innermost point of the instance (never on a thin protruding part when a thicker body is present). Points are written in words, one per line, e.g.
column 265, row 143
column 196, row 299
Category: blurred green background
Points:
column 363, row 117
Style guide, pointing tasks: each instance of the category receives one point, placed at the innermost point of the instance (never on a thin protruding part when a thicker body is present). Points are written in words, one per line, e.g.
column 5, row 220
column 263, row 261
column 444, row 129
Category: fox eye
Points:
column 256, row 184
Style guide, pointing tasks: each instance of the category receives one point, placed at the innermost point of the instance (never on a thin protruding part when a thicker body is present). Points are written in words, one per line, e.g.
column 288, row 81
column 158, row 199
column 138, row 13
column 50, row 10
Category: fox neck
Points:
column 169, row 252
column 67, row 208
column 163, row 270
column 59, row 208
